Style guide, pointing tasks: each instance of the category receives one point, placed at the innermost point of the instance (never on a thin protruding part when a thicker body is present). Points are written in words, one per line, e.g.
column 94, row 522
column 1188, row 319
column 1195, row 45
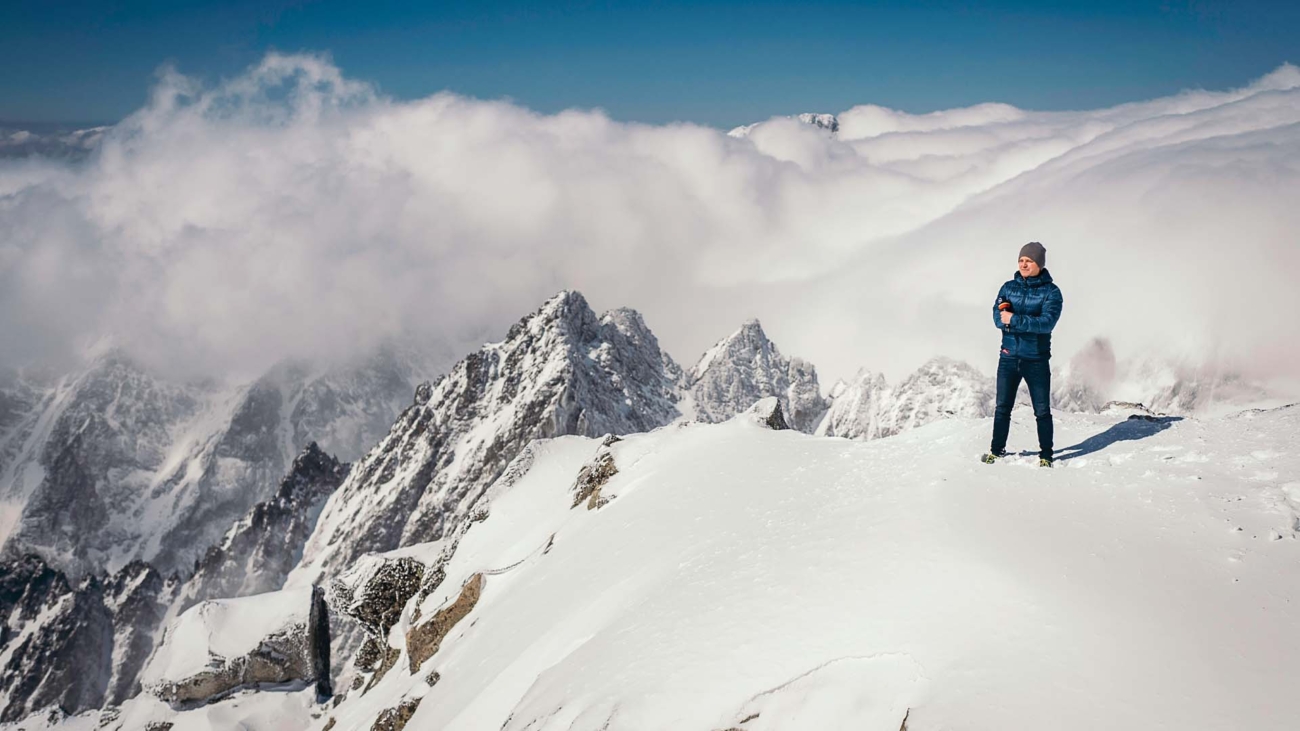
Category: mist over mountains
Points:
column 292, row 212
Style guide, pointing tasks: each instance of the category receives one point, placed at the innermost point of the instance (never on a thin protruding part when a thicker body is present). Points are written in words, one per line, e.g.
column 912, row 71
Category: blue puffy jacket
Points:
column 1035, row 306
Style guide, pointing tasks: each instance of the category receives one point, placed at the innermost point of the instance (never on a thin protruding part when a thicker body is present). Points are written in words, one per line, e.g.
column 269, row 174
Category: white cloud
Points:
column 291, row 211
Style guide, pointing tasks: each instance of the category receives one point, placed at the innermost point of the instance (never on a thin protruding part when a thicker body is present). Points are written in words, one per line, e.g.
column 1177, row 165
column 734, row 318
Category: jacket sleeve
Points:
column 1040, row 324
column 997, row 319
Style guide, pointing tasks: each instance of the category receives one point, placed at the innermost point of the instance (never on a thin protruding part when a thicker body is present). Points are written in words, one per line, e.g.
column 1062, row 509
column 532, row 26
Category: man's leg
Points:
column 1008, row 384
column 1038, row 376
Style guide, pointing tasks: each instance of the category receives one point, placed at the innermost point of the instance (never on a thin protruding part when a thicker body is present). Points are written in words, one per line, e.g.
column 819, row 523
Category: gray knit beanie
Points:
column 1035, row 251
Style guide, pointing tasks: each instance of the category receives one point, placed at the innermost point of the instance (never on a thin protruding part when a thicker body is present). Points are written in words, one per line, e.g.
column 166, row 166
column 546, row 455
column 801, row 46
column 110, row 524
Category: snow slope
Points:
column 1151, row 581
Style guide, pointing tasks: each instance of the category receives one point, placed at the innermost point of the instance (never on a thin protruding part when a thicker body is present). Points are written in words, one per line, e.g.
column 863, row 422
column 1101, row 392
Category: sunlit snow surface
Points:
column 822, row 583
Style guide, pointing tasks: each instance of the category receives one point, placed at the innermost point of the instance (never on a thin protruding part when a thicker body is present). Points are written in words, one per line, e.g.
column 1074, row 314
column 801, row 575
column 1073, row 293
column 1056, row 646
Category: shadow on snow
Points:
column 1131, row 429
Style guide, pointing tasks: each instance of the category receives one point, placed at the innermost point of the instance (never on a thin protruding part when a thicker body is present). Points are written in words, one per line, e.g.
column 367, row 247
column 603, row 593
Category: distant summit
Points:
column 828, row 122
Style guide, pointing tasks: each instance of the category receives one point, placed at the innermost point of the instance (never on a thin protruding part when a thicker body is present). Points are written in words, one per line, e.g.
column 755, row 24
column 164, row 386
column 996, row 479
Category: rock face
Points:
column 561, row 370
column 116, row 463
column 138, row 598
column 424, row 639
column 74, row 647
column 262, row 547
column 745, row 367
column 220, row 646
column 868, row 408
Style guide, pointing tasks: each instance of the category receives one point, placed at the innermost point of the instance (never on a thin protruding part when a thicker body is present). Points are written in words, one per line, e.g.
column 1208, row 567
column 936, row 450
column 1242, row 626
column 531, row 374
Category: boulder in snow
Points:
column 767, row 411
column 216, row 647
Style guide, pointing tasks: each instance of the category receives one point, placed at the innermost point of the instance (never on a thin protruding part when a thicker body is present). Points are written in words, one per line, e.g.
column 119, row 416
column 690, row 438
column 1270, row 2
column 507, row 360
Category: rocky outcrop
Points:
column 258, row 552
column 767, row 412
column 593, row 476
column 745, row 367
column 561, row 370
column 220, row 646
column 374, row 592
column 424, row 639
column 396, row 718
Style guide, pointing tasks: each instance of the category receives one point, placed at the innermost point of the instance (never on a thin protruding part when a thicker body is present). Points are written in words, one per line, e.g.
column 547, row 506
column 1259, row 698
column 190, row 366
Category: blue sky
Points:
column 717, row 63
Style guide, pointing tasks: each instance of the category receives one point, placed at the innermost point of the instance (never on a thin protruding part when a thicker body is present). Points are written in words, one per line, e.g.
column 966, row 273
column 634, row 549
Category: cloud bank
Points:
column 292, row 212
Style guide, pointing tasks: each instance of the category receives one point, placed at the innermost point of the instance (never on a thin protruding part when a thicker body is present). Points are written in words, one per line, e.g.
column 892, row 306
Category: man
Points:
column 1026, row 310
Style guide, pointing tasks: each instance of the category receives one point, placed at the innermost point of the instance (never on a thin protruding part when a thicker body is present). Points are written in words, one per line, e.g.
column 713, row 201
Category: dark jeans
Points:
column 1038, row 377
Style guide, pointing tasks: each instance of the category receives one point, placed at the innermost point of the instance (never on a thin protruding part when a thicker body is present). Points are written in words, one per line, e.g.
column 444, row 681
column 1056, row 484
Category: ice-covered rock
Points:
column 219, row 646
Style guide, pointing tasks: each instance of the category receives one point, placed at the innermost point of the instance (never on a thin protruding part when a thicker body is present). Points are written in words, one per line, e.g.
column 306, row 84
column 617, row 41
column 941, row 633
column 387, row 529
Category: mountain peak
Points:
column 559, row 371
column 746, row 366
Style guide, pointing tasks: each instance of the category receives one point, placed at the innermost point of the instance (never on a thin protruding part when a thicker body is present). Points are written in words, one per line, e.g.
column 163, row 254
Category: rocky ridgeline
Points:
column 561, row 370
column 75, row 647
column 260, row 550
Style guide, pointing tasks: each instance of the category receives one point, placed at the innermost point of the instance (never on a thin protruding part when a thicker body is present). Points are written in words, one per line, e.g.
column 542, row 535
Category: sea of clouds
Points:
column 292, row 212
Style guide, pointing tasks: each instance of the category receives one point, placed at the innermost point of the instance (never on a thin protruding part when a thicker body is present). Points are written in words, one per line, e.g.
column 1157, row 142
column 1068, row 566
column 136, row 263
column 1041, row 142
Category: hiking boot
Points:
column 990, row 457
column 1044, row 462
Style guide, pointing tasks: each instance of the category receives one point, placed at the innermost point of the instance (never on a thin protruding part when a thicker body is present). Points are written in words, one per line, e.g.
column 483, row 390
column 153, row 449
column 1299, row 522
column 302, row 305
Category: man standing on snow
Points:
column 1026, row 310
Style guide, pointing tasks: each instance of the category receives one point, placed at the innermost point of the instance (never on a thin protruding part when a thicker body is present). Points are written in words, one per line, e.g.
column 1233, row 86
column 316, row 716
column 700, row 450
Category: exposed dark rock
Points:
column 262, row 548
column 561, row 370
column 768, row 413
column 61, row 640
column 395, row 719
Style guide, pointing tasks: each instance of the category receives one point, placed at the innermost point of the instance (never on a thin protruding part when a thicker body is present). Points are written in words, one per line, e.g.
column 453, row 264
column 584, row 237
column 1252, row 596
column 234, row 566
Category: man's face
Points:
column 1028, row 267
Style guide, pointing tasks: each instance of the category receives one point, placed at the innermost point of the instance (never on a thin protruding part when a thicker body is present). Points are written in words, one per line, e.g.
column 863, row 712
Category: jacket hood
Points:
column 1044, row 277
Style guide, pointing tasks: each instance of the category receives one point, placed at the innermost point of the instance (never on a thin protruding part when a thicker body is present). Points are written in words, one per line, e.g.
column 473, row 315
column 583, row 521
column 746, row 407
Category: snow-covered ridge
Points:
column 560, row 370
column 911, row 582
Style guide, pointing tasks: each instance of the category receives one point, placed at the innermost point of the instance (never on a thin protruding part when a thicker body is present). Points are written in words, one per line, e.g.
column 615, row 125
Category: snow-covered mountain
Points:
column 116, row 463
column 827, row 122
column 746, row 366
column 115, row 434
column 869, row 408
column 78, row 646
column 560, row 370
column 263, row 546
column 915, row 587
